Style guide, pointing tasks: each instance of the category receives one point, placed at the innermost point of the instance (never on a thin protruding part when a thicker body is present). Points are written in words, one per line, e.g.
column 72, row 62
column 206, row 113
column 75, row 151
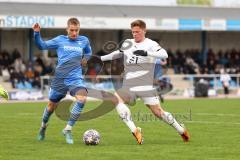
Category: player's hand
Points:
column 163, row 62
column 36, row 27
column 84, row 62
column 140, row 53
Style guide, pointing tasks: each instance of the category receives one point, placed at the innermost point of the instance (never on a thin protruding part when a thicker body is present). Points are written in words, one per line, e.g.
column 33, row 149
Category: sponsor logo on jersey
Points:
column 72, row 48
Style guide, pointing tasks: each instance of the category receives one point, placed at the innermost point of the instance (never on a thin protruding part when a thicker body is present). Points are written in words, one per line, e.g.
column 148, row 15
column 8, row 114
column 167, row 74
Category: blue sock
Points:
column 75, row 113
column 46, row 116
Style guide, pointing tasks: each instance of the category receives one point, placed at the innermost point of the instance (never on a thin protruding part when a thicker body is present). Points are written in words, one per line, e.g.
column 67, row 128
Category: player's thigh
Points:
column 77, row 88
column 55, row 96
column 156, row 108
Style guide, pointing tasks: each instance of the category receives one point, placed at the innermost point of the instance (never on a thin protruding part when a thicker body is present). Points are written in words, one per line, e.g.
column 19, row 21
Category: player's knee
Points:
column 157, row 113
column 131, row 101
column 81, row 98
column 115, row 100
column 81, row 95
column 51, row 106
column 126, row 98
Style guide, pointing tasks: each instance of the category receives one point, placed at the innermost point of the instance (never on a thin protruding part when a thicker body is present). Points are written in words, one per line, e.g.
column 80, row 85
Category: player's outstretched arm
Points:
column 160, row 53
column 38, row 40
column 111, row 56
column 37, row 37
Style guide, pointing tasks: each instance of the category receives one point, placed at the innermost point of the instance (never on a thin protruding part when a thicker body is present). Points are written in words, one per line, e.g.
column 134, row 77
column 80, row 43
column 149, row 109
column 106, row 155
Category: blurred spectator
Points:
column 191, row 67
column 19, row 66
column 225, row 79
column 92, row 72
column 36, row 83
column 49, row 68
column 29, row 75
column 16, row 77
column 13, row 77
column 15, row 54
column 38, row 69
column 40, row 62
column 6, row 59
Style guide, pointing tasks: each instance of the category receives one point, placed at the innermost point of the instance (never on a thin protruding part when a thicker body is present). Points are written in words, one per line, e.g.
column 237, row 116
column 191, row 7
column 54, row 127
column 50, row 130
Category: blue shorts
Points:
column 59, row 88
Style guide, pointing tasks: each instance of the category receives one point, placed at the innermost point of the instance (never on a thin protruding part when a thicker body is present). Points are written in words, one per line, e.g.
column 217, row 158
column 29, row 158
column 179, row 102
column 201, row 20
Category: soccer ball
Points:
column 91, row 137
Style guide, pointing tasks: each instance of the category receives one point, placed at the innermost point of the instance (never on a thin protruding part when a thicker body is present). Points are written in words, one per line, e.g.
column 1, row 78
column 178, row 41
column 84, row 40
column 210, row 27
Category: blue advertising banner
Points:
column 233, row 25
column 190, row 24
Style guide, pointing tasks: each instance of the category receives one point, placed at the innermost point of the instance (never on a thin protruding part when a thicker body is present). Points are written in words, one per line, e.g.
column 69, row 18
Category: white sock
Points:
column 43, row 125
column 125, row 115
column 68, row 127
column 169, row 119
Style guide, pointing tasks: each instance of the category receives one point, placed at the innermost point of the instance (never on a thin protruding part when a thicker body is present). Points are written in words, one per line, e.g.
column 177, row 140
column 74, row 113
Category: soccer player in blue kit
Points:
column 73, row 51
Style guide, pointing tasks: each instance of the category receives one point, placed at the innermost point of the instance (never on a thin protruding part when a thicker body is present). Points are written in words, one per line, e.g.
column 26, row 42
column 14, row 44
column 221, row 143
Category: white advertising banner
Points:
column 214, row 24
column 85, row 22
column 167, row 24
column 26, row 95
column 22, row 21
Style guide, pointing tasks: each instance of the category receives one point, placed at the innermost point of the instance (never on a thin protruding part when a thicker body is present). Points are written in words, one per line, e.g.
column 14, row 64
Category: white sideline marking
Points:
column 27, row 114
column 210, row 122
column 216, row 114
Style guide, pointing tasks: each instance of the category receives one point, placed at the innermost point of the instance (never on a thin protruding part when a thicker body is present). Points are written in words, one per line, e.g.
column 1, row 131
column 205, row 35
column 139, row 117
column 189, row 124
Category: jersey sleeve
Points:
column 87, row 50
column 111, row 56
column 49, row 44
column 157, row 51
column 117, row 53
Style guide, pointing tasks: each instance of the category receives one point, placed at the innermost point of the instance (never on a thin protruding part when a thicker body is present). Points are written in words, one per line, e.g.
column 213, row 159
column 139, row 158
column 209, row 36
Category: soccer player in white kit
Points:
column 140, row 54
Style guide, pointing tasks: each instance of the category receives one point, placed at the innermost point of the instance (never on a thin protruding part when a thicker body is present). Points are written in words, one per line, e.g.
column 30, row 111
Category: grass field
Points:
column 214, row 126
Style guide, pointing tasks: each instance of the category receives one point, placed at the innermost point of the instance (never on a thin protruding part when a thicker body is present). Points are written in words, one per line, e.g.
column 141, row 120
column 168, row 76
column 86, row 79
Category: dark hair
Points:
column 139, row 23
column 73, row 21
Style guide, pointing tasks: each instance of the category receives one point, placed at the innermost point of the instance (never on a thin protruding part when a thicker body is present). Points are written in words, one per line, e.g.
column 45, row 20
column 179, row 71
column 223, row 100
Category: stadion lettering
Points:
column 7, row 21
column 26, row 21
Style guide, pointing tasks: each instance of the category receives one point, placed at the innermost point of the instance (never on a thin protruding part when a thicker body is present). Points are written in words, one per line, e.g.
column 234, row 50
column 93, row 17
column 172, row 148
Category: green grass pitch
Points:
column 214, row 125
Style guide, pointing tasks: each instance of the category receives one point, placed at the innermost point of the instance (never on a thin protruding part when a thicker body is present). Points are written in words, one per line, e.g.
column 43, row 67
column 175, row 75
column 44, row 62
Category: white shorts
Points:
column 149, row 97
column 151, row 100
column 139, row 88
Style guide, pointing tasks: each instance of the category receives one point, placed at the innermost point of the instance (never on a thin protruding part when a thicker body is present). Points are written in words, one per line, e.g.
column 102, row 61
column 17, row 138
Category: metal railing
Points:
column 213, row 81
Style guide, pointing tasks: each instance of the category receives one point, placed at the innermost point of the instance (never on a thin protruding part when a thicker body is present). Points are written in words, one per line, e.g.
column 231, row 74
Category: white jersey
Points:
column 138, row 70
column 137, row 66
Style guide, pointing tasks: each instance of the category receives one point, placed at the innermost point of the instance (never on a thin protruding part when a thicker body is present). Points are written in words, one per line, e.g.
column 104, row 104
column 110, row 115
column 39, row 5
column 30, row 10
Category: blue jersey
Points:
column 68, row 73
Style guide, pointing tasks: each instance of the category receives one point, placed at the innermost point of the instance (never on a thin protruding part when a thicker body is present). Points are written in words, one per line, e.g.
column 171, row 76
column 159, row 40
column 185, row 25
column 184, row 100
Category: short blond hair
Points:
column 139, row 23
column 73, row 21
